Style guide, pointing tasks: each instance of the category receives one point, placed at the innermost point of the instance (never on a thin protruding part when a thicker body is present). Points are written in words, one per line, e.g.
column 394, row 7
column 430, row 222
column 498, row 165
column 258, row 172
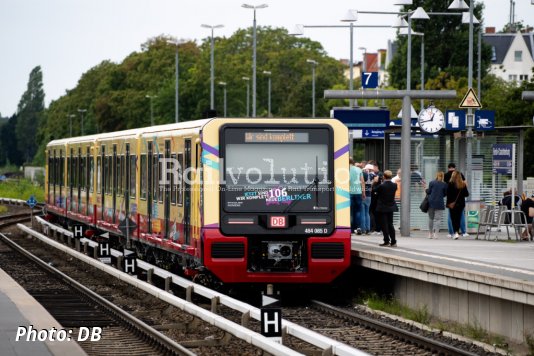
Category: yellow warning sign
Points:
column 470, row 100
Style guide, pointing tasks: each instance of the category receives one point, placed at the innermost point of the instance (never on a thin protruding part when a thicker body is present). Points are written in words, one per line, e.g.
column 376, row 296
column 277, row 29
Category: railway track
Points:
column 76, row 307
column 359, row 332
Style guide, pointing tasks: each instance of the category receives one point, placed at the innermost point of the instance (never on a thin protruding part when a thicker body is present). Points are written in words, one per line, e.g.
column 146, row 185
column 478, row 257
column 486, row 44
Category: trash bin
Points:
column 472, row 211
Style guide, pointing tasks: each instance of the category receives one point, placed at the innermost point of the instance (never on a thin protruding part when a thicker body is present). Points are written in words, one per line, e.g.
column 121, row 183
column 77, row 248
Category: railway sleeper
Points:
column 209, row 341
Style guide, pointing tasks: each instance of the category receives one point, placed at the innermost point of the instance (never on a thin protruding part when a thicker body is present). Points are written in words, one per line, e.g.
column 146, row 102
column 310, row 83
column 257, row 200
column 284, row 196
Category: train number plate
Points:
column 277, row 222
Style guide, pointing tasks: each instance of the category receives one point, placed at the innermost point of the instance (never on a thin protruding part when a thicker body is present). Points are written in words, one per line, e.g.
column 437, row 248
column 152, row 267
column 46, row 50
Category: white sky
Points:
column 68, row 37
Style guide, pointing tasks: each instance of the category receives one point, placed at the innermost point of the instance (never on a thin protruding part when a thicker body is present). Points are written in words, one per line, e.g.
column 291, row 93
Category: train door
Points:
column 88, row 172
column 187, row 192
column 126, row 185
column 167, row 190
column 55, row 177
column 149, row 186
column 79, row 180
column 61, row 177
column 103, row 173
column 114, row 180
column 70, row 166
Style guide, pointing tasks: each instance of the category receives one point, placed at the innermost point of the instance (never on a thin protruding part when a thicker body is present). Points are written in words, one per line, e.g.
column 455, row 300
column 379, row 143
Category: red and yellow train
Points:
column 234, row 200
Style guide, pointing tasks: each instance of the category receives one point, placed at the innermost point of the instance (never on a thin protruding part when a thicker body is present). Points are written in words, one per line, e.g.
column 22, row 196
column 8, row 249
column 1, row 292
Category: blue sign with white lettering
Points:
column 455, row 120
column 484, row 120
column 369, row 80
column 502, row 158
column 31, row 202
column 362, row 118
column 372, row 133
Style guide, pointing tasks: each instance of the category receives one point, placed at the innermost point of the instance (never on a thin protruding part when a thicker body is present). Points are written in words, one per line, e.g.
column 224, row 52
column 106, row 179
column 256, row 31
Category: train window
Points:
column 68, row 172
column 180, row 189
column 119, row 175
column 286, row 170
column 144, row 176
column 91, row 173
column 98, row 174
column 107, row 175
column 82, row 173
column 133, row 178
column 122, row 176
column 155, row 179
column 61, row 167
column 160, row 181
column 173, row 178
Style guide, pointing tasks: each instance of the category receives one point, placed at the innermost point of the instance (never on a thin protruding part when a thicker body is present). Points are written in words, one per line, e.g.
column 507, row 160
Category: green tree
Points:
column 30, row 109
column 8, row 143
column 446, row 45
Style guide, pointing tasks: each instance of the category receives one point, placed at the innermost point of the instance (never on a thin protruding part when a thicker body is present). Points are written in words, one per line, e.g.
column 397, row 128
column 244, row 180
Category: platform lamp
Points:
column 268, row 74
column 223, row 85
column 247, row 79
column 313, row 65
column 82, row 112
column 212, row 65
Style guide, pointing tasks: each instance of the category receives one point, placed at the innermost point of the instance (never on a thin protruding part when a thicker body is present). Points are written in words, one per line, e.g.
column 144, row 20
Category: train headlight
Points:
column 280, row 250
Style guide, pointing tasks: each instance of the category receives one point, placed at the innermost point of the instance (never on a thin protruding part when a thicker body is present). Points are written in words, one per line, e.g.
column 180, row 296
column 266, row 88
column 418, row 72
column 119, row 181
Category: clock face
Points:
column 431, row 120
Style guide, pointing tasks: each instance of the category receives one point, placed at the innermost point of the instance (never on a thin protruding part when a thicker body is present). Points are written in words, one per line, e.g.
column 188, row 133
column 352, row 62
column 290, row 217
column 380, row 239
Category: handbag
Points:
column 453, row 204
column 424, row 205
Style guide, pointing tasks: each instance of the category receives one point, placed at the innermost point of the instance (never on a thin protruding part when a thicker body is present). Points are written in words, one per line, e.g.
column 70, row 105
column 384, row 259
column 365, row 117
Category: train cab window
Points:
column 107, row 173
column 287, row 170
column 180, row 190
column 68, row 172
column 144, row 176
column 61, row 167
column 83, row 173
column 133, row 178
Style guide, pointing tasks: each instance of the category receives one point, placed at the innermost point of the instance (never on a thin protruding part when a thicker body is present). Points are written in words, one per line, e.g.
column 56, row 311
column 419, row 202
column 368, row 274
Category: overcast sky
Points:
column 68, row 37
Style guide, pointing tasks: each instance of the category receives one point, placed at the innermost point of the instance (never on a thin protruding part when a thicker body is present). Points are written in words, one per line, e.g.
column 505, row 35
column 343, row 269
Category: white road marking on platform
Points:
column 474, row 263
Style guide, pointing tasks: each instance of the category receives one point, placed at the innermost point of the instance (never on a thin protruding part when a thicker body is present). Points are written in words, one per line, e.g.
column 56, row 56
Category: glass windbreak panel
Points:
column 278, row 177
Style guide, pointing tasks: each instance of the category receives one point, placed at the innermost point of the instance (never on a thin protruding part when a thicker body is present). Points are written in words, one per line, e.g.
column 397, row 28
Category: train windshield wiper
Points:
column 307, row 189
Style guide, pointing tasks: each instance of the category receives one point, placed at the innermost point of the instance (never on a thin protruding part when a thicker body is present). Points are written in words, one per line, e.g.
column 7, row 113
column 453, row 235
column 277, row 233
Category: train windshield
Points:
column 276, row 171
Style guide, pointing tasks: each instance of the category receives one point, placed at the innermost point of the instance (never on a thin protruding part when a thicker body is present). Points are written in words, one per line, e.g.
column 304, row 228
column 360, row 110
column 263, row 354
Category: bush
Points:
column 21, row 189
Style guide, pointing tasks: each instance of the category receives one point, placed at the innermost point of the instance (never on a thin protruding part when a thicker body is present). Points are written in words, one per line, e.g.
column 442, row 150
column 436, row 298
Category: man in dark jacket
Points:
column 385, row 207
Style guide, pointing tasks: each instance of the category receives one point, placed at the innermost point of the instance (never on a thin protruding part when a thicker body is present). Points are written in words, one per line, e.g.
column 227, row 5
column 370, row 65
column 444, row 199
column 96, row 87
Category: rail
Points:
column 334, row 347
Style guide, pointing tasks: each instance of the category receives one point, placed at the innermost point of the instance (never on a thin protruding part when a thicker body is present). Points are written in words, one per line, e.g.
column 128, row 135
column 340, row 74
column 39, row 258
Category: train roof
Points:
column 131, row 132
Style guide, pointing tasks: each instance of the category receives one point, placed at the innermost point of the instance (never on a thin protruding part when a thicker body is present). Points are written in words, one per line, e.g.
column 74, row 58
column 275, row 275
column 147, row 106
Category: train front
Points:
column 276, row 200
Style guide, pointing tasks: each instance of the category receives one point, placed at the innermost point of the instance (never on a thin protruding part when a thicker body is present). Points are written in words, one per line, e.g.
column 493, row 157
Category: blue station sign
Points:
column 362, row 118
column 369, row 80
column 502, row 158
column 455, row 120
column 484, row 120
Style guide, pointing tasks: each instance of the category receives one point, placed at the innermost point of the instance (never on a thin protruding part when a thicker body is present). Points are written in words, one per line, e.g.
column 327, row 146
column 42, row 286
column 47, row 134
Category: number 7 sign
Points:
column 369, row 80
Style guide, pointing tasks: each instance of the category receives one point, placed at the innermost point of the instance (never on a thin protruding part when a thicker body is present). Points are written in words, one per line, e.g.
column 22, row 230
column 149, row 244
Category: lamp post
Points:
column 247, row 79
column 246, row 6
column 212, row 65
column 364, row 66
column 404, row 31
column 349, row 17
column 268, row 74
column 223, row 84
column 313, row 65
column 82, row 112
column 70, row 123
column 177, row 83
column 469, row 118
column 151, row 108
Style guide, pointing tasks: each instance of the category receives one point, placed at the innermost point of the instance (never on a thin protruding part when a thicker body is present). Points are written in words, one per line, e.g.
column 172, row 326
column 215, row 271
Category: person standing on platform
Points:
column 452, row 168
column 456, row 194
column 385, row 207
column 397, row 180
column 436, row 191
column 527, row 207
column 377, row 178
column 368, row 181
column 357, row 191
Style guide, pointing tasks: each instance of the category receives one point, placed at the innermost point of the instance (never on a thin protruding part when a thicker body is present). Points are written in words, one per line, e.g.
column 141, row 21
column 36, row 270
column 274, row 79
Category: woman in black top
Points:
column 456, row 193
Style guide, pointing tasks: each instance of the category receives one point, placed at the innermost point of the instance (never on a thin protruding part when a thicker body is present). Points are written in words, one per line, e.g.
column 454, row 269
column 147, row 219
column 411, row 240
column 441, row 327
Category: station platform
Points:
column 478, row 282
column 18, row 308
column 501, row 257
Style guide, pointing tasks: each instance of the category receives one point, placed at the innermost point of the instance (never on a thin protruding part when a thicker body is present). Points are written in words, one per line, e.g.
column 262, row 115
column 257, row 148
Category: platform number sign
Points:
column 129, row 264
column 78, row 231
column 271, row 323
column 369, row 80
column 104, row 252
